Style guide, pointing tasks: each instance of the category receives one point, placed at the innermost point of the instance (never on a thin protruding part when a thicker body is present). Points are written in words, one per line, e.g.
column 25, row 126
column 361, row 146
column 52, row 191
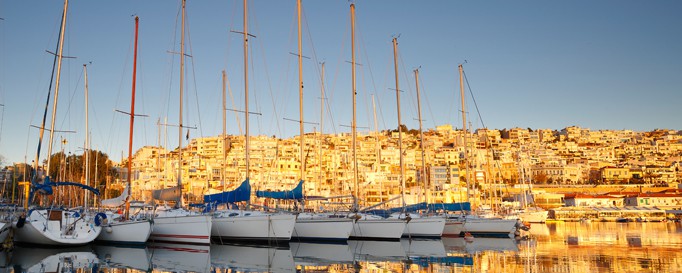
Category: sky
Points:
column 602, row 65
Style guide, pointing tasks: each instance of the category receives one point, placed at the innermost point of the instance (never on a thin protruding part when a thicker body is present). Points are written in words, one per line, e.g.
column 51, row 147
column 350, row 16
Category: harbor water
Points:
column 550, row 247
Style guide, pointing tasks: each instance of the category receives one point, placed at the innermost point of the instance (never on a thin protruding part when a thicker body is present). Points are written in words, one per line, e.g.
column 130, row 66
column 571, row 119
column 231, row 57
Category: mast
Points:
column 377, row 147
column 132, row 120
column 300, row 92
column 321, row 123
column 87, row 137
column 353, row 124
column 222, row 171
column 56, row 89
column 182, row 74
column 246, row 87
column 464, row 127
column 421, row 139
column 400, row 131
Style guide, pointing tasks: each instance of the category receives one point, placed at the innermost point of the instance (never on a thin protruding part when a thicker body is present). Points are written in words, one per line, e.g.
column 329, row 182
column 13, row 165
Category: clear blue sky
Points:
column 538, row 64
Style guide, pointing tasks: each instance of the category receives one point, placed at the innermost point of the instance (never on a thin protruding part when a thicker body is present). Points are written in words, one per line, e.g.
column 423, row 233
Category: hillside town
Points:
column 494, row 162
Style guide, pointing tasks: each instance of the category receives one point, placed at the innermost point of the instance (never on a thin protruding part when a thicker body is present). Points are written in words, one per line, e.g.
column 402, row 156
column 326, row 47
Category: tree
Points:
column 72, row 168
column 540, row 178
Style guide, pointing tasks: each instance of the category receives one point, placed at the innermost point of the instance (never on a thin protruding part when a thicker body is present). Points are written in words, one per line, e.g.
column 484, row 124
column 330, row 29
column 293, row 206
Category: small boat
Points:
column 120, row 227
column 178, row 224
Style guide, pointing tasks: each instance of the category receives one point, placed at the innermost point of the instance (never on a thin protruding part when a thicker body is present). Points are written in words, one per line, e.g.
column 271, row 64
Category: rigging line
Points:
column 236, row 114
column 113, row 126
column 319, row 73
column 411, row 93
column 426, row 99
column 369, row 66
column 267, row 76
column 194, row 81
column 336, row 76
column 473, row 98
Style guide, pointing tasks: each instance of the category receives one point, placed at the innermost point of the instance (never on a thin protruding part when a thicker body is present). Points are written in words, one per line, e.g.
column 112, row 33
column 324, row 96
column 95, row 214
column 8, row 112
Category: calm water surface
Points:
column 552, row 247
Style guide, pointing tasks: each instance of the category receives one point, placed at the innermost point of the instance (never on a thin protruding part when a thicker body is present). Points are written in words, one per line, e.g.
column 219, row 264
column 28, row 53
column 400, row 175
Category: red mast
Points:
column 132, row 119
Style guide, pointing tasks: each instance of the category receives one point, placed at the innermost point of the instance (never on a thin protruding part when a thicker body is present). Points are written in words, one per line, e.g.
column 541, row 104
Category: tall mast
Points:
column 246, row 87
column 56, row 88
column 400, row 131
column 376, row 134
column 222, row 169
column 353, row 124
column 132, row 120
column 464, row 127
column 422, row 173
column 182, row 74
column 321, row 123
column 87, row 137
column 300, row 92
column 377, row 147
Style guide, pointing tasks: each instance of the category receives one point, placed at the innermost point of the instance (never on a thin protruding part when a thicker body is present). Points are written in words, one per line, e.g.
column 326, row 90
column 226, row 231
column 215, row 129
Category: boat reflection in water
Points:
column 121, row 257
column 316, row 254
column 30, row 259
column 180, row 257
column 250, row 258
column 381, row 251
column 423, row 247
column 558, row 247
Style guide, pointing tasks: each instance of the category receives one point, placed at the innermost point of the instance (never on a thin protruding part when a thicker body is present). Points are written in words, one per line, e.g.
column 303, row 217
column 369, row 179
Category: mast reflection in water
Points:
column 551, row 247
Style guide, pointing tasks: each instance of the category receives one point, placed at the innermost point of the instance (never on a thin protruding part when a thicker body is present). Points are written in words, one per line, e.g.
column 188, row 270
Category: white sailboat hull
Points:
column 491, row 227
column 259, row 227
column 126, row 232
column 453, row 228
column 184, row 229
column 70, row 229
column 426, row 227
column 378, row 229
column 322, row 228
column 534, row 216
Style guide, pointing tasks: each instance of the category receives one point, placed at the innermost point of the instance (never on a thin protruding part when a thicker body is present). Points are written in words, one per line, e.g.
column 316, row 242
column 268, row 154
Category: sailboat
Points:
column 55, row 226
column 527, row 213
column 230, row 224
column 309, row 226
column 366, row 226
column 474, row 224
column 177, row 224
column 417, row 225
column 121, row 228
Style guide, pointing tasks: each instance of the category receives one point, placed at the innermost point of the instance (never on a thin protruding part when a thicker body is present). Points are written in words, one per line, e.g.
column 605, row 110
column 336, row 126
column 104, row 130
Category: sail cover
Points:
column 461, row 206
column 117, row 201
column 294, row 194
column 241, row 193
column 169, row 194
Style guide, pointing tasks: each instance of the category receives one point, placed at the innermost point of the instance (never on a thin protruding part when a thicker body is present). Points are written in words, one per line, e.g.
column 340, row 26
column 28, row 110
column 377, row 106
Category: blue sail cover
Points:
column 85, row 187
column 462, row 206
column 295, row 194
column 241, row 193
column 46, row 187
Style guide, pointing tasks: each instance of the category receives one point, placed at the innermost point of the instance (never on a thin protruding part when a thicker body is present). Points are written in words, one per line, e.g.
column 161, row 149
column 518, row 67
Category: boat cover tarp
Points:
column 117, row 201
column 46, row 187
column 241, row 193
column 462, row 206
column 294, row 194
column 169, row 194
